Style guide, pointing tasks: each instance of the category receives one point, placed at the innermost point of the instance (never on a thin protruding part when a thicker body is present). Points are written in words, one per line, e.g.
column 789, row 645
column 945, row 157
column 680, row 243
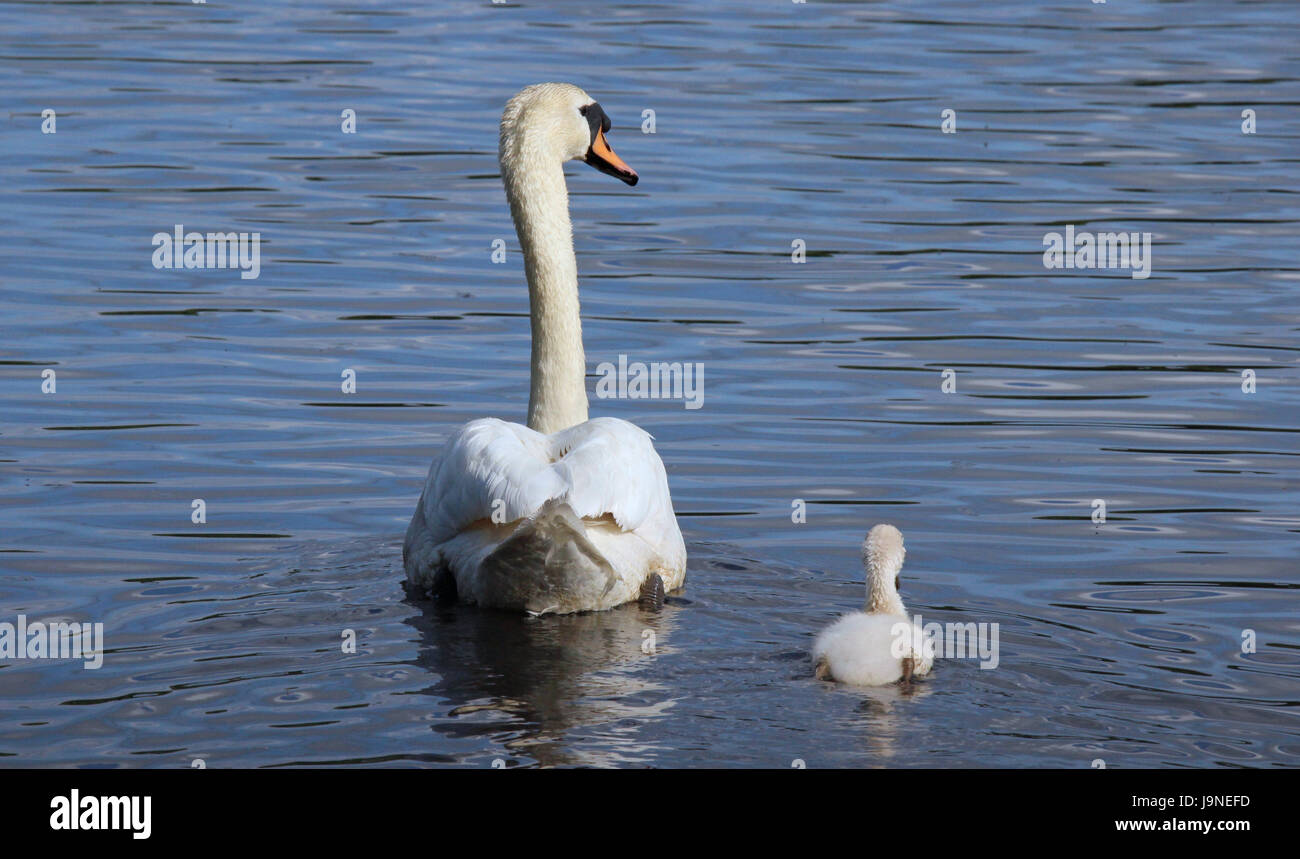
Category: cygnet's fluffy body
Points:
column 880, row 644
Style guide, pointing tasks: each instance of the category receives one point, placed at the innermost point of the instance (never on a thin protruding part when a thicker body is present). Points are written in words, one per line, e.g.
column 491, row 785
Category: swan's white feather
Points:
column 601, row 470
column 610, row 466
column 485, row 461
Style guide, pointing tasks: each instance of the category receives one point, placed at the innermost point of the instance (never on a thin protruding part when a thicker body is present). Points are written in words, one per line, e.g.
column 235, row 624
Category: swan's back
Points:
column 573, row 521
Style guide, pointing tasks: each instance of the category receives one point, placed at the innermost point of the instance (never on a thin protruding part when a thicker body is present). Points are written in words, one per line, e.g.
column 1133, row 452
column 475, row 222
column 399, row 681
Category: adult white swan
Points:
column 565, row 514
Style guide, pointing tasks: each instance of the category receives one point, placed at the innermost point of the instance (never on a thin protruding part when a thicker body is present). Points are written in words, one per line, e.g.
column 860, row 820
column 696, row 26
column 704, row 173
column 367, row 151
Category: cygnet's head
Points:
column 553, row 123
column 882, row 556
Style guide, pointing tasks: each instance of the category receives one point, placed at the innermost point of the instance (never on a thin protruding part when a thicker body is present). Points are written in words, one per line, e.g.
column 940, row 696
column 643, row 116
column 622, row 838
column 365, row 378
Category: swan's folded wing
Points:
column 602, row 467
column 610, row 467
column 488, row 466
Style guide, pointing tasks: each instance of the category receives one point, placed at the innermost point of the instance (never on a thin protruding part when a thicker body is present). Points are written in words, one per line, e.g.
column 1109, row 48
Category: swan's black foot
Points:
column 909, row 665
column 652, row 593
column 443, row 589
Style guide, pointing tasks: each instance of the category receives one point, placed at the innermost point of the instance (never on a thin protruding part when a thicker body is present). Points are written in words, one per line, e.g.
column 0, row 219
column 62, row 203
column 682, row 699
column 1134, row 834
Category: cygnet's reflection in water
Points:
column 552, row 681
column 886, row 711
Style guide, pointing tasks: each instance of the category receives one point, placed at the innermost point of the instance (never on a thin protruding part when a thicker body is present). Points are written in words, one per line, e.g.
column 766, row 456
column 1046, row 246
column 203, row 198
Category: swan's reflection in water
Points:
column 570, row 690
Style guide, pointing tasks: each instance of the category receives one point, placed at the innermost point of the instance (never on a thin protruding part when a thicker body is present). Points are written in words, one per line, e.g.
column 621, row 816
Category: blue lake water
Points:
column 774, row 122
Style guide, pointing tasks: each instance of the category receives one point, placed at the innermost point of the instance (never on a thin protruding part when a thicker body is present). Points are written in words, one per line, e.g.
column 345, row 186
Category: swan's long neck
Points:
column 882, row 596
column 539, row 204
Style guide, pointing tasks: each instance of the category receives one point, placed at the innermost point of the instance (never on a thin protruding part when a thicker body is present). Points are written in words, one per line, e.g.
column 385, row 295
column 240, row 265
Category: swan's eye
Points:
column 596, row 118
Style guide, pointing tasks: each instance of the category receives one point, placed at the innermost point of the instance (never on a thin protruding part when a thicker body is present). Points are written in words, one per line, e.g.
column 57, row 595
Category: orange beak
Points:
column 602, row 157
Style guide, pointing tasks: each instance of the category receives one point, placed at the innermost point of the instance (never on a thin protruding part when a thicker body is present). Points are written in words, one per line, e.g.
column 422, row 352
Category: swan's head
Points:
column 882, row 556
column 557, row 123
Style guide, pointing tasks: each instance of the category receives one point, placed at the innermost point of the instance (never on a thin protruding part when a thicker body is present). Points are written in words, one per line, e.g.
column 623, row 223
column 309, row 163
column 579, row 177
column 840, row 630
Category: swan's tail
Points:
column 547, row 565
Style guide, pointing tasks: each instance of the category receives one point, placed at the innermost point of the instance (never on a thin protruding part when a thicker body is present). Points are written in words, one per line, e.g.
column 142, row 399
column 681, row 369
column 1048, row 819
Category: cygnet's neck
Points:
column 539, row 204
column 882, row 570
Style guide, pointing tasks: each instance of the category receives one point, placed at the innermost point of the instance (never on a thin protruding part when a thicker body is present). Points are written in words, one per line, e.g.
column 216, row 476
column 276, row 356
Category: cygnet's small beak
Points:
column 602, row 157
